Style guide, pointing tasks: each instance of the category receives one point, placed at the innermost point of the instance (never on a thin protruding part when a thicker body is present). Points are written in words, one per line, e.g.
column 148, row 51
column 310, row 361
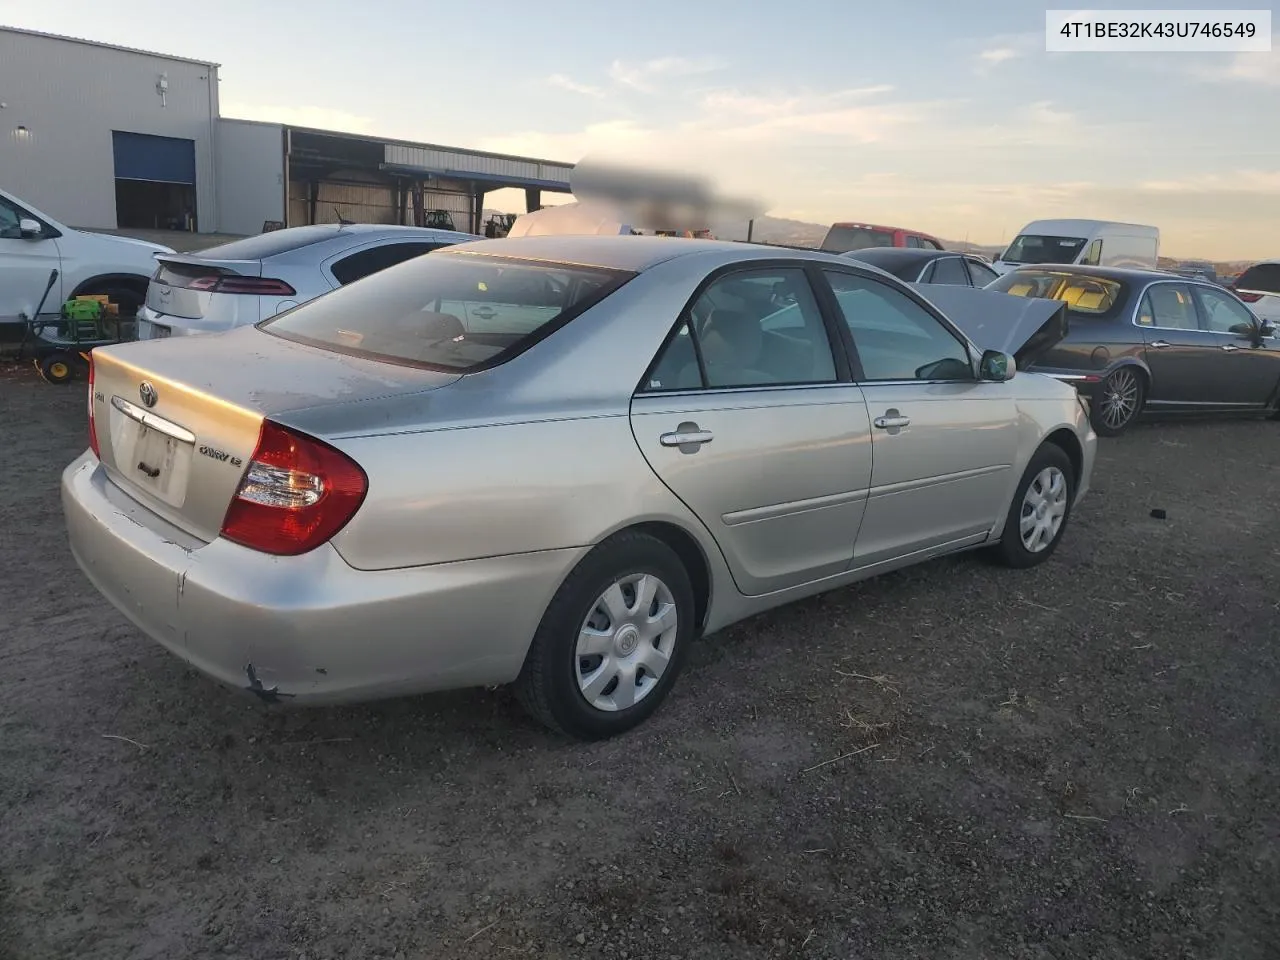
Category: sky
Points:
column 938, row 115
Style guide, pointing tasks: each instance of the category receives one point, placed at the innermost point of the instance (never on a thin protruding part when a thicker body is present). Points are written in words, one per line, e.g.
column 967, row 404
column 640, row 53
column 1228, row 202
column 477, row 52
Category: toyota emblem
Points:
column 148, row 393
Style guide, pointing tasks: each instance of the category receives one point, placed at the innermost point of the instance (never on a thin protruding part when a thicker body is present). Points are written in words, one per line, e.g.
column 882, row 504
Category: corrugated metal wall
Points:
column 70, row 97
column 250, row 175
column 461, row 161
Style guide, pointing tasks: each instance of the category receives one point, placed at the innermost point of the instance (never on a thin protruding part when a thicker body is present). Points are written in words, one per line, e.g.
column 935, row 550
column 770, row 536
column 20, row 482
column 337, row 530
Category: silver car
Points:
column 554, row 462
column 249, row 280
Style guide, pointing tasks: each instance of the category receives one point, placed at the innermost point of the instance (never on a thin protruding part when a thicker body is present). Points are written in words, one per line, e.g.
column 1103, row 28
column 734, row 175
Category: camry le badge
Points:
column 148, row 393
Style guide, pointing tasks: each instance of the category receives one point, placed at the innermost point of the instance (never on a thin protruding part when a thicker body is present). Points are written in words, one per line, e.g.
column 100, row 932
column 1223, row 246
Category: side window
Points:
column 362, row 263
column 1093, row 256
column 980, row 272
column 896, row 338
column 950, row 270
column 929, row 244
column 913, row 241
column 926, row 275
column 1169, row 306
column 750, row 328
column 1221, row 313
column 9, row 218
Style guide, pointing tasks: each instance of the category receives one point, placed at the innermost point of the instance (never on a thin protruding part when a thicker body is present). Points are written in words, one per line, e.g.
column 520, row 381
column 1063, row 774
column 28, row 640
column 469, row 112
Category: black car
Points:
column 1145, row 340
column 927, row 266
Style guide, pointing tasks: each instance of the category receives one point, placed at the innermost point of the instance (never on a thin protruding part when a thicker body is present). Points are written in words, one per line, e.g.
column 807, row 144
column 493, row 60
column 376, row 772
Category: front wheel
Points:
column 612, row 641
column 56, row 367
column 1041, row 507
column 1119, row 401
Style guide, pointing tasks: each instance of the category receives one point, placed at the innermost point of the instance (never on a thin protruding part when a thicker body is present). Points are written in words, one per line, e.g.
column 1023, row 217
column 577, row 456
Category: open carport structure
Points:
column 373, row 180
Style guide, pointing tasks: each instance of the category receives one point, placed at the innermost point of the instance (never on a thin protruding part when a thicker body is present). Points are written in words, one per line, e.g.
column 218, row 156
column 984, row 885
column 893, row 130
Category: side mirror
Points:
column 996, row 365
column 1266, row 329
column 29, row 229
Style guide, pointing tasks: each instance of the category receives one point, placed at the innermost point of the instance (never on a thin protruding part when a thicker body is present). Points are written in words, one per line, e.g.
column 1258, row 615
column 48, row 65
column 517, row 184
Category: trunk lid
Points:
column 1026, row 328
column 178, row 421
column 175, row 288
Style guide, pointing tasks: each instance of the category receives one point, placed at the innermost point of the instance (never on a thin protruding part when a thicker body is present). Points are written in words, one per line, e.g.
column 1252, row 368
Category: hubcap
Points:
column 1043, row 508
column 626, row 642
column 1119, row 399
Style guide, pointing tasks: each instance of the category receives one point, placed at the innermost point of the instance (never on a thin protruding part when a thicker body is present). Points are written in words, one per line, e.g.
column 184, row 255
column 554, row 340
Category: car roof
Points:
column 897, row 256
column 859, row 224
column 631, row 253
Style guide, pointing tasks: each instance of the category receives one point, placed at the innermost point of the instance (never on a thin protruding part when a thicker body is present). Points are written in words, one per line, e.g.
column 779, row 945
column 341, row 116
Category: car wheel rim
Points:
column 58, row 370
column 1044, row 506
column 1119, row 399
column 626, row 642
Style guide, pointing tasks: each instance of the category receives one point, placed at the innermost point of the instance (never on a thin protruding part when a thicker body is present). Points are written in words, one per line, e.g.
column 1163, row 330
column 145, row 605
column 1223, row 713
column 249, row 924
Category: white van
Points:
column 1096, row 242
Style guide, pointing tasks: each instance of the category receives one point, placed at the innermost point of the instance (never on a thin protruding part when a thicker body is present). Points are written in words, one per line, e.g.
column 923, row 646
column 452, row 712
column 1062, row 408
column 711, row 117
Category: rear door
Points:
column 749, row 417
column 1187, row 365
column 944, row 442
column 1251, row 366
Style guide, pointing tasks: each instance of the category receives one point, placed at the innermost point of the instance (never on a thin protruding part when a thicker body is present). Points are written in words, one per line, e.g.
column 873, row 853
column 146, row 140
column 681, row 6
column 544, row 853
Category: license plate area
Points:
column 150, row 453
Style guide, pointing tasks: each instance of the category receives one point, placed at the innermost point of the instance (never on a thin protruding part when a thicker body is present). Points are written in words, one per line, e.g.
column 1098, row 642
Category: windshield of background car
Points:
column 1085, row 296
column 1033, row 248
column 448, row 312
column 841, row 239
column 1262, row 277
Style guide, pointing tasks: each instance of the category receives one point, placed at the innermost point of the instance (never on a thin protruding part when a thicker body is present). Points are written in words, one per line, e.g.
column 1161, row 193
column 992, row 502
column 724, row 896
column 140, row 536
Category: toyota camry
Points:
column 555, row 461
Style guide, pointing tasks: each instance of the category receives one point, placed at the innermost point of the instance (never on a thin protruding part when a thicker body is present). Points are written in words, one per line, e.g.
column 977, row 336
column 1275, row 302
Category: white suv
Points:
column 33, row 244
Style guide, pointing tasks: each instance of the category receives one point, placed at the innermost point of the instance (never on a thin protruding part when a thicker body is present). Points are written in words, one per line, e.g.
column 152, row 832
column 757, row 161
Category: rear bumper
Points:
column 311, row 628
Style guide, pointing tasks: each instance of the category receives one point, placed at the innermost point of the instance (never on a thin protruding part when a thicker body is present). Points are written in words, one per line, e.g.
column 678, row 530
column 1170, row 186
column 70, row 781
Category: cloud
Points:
column 321, row 118
column 1007, row 47
column 610, row 136
column 852, row 115
column 998, row 54
column 1255, row 68
column 568, row 83
column 649, row 75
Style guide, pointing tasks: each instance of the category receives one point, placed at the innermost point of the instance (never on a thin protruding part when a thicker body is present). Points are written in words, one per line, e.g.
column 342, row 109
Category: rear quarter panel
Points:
column 458, row 494
column 1096, row 346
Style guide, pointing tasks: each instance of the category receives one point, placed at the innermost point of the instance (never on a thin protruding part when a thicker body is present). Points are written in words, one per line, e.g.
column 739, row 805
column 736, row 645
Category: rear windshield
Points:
column 270, row 244
column 1264, row 277
column 453, row 312
column 1084, row 296
column 842, row 239
column 1033, row 248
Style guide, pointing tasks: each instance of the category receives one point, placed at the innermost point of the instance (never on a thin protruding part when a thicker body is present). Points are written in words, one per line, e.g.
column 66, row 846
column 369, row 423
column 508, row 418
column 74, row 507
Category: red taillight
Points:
column 1248, row 297
column 93, row 427
column 296, row 494
column 234, row 283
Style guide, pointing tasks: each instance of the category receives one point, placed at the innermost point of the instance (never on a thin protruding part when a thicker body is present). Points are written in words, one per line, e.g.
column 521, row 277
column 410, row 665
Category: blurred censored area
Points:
column 654, row 198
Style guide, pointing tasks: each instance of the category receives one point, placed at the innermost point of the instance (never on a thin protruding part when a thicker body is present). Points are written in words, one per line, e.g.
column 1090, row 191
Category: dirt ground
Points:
column 954, row 761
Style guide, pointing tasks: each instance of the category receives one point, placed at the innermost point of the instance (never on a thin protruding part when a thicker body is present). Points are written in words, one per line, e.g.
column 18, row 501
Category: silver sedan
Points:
column 554, row 462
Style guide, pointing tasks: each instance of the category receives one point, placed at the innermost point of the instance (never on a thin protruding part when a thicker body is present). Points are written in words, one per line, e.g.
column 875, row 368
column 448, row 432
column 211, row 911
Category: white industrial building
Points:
column 106, row 137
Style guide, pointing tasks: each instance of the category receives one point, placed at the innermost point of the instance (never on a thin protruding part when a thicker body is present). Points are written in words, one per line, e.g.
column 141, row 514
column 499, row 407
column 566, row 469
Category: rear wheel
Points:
column 56, row 367
column 1041, row 507
column 612, row 641
column 1119, row 401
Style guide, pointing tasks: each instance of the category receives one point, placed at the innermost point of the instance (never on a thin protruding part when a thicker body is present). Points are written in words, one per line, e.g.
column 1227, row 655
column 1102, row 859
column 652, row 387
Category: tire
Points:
column 1013, row 549
column 569, row 686
column 1119, row 401
column 57, row 367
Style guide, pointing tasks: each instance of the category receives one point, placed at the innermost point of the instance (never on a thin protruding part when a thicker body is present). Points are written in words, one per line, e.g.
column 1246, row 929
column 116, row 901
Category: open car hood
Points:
column 1024, row 327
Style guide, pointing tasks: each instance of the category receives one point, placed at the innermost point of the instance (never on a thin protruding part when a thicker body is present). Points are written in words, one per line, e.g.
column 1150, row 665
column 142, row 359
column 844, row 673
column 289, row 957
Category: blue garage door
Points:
column 140, row 156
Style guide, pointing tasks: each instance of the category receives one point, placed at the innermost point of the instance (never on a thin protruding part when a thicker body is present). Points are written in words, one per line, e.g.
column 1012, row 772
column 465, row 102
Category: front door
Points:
column 750, row 420
column 25, row 265
column 1185, row 361
column 1250, row 366
column 944, row 442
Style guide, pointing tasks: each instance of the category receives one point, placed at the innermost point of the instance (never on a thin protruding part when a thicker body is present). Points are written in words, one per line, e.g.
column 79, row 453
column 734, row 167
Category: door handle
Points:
column 688, row 437
column 890, row 423
column 1158, row 344
column 1230, row 347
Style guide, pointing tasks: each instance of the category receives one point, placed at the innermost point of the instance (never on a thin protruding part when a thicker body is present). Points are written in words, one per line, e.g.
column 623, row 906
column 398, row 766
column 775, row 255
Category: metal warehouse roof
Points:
column 108, row 46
